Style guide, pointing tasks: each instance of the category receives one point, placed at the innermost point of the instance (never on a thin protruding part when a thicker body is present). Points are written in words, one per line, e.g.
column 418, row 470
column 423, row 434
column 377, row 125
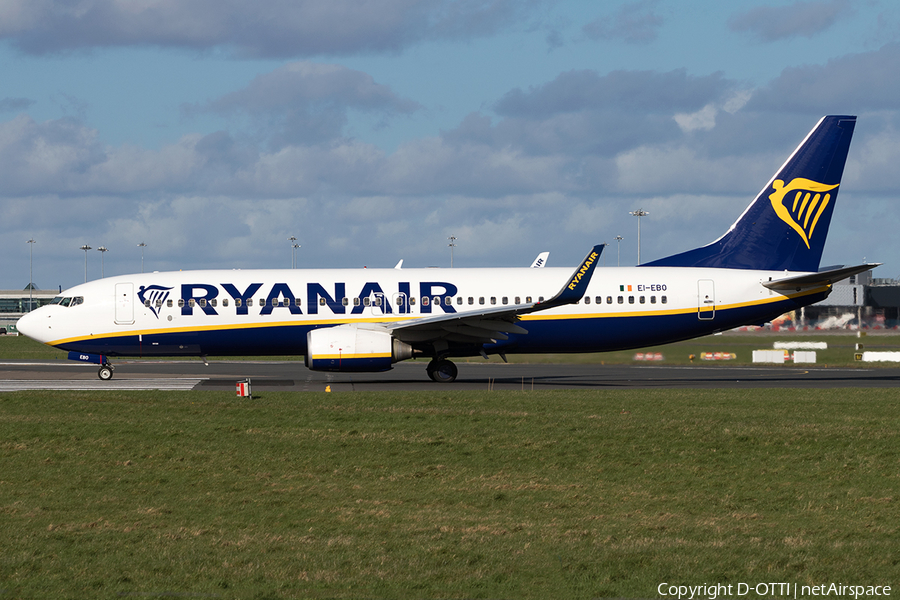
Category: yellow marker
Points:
column 327, row 388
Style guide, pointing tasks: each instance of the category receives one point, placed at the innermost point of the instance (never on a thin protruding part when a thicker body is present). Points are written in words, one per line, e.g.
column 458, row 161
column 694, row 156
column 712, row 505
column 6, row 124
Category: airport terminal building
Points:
column 15, row 303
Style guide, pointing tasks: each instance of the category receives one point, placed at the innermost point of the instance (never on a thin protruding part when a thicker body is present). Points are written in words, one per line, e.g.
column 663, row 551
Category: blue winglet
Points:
column 574, row 289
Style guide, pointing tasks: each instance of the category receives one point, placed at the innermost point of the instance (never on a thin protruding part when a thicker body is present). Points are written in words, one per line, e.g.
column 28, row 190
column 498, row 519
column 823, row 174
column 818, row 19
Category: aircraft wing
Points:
column 814, row 280
column 491, row 324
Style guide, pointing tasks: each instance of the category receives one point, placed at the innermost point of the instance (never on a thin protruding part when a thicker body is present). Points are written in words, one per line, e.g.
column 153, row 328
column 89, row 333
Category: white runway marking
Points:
column 17, row 385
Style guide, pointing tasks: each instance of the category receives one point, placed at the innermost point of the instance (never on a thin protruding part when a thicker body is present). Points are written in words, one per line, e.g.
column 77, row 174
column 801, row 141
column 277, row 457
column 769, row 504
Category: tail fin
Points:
column 785, row 227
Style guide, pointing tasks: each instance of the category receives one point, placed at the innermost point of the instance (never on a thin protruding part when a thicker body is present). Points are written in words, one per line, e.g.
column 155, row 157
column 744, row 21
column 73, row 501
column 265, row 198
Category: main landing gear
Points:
column 442, row 371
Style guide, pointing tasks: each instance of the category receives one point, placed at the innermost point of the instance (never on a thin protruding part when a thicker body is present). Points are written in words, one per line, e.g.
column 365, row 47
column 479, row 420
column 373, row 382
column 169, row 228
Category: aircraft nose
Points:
column 35, row 325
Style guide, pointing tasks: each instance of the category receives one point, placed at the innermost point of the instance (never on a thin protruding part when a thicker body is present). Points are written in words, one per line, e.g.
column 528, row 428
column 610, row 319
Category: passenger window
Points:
column 609, row 299
column 181, row 303
column 356, row 301
column 459, row 301
column 587, row 299
column 481, row 300
column 321, row 301
column 652, row 299
column 663, row 299
column 630, row 299
column 540, row 298
column 643, row 300
column 250, row 301
column 297, row 301
column 225, row 302
column 237, row 302
column 518, row 300
column 471, row 300
column 504, row 300
column 621, row 300
column 377, row 300
column 202, row 302
column 412, row 301
column 147, row 303
column 367, row 302
column 493, row 300
column 425, row 300
column 528, row 299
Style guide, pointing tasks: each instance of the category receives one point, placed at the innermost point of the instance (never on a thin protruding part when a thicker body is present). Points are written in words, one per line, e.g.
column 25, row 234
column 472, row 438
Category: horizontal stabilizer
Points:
column 818, row 279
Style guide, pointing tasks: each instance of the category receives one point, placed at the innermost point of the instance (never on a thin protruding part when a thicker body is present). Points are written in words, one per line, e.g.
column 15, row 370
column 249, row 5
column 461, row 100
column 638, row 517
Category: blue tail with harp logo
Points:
column 785, row 227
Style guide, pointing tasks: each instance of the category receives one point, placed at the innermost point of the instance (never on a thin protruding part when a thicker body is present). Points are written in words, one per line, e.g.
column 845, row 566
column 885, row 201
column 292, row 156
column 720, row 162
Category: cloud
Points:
column 625, row 91
column 633, row 23
column 798, row 19
column 848, row 84
column 308, row 102
column 15, row 104
column 551, row 167
column 585, row 113
column 266, row 28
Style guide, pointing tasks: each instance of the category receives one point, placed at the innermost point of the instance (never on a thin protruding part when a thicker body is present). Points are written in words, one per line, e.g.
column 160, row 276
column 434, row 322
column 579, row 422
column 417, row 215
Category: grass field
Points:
column 446, row 495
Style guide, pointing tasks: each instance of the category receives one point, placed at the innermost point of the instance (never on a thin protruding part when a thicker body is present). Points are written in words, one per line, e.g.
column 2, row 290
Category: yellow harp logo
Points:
column 801, row 210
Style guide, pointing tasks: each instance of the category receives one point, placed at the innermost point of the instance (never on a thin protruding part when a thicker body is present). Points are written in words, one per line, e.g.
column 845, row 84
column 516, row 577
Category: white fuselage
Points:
column 267, row 312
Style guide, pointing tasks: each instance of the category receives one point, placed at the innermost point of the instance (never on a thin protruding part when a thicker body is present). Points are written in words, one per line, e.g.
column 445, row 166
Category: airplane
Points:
column 365, row 320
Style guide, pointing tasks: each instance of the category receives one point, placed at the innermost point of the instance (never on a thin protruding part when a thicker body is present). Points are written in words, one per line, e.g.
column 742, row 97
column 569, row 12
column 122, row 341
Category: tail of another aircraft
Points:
column 785, row 227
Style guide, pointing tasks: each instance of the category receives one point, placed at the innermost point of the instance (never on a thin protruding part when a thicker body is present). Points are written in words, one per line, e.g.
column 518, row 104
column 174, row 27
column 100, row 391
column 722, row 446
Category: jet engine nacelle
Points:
column 353, row 348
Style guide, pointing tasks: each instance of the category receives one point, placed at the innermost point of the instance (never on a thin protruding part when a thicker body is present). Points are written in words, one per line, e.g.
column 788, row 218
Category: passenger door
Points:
column 706, row 299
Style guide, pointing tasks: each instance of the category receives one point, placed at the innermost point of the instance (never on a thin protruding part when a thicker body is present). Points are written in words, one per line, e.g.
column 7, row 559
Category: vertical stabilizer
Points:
column 785, row 227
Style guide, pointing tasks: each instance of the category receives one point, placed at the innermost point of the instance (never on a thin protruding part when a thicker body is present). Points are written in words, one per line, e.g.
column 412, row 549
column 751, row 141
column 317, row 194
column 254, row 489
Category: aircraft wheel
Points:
column 442, row 371
column 105, row 373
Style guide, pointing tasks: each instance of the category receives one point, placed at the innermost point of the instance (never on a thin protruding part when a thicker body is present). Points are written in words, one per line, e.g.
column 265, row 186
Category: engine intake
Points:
column 352, row 348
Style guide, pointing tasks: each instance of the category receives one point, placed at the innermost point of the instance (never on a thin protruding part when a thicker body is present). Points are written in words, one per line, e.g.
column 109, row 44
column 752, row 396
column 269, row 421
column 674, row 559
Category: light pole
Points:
column 103, row 250
column 142, row 245
column 639, row 213
column 618, row 239
column 452, row 245
column 294, row 246
column 31, row 275
column 85, row 247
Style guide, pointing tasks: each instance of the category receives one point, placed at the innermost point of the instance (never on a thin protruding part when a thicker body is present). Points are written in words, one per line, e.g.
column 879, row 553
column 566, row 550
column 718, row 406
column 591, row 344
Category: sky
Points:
column 215, row 130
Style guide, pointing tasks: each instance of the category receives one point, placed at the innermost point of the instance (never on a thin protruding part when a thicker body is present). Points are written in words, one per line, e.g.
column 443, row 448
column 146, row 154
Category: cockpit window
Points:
column 68, row 301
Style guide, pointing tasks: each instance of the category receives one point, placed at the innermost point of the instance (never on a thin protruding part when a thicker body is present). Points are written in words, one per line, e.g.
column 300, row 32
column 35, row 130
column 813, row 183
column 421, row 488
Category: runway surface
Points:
column 410, row 376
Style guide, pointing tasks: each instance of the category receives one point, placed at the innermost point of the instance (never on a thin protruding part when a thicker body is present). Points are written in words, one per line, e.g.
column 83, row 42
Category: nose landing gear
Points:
column 106, row 372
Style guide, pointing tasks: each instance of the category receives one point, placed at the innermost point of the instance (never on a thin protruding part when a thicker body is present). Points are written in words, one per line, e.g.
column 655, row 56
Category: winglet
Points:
column 540, row 261
column 574, row 289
